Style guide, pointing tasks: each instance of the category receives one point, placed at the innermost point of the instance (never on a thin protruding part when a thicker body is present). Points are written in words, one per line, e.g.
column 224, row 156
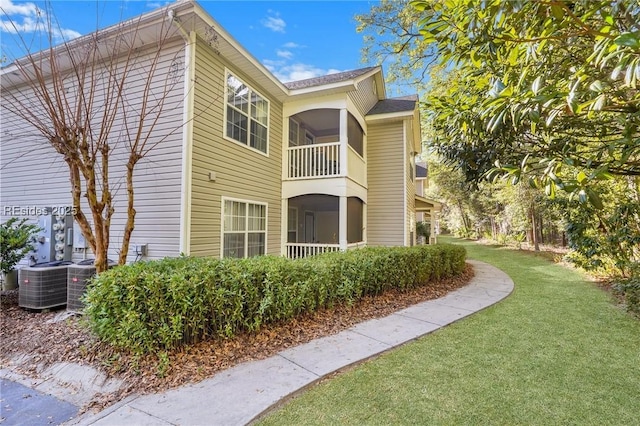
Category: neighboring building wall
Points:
column 385, row 213
column 34, row 175
column 240, row 172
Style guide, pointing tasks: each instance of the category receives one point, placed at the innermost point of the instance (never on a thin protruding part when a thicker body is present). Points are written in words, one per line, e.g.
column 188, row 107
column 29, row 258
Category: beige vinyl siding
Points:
column 33, row 174
column 410, row 186
column 385, row 206
column 364, row 98
column 241, row 172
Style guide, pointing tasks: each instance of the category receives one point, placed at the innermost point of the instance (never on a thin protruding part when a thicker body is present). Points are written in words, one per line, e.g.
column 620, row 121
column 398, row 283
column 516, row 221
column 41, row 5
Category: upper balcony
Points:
column 325, row 143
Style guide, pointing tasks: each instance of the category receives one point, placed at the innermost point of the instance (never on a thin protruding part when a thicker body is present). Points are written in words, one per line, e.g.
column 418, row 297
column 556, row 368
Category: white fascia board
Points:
column 392, row 116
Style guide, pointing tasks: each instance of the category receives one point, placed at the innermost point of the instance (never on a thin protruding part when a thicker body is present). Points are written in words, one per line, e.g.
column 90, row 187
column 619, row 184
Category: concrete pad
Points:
column 394, row 329
column 232, row 397
column 130, row 416
column 435, row 313
column 328, row 354
column 76, row 383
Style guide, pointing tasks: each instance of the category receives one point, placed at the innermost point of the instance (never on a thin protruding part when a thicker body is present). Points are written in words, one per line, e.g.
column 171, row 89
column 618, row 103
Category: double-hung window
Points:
column 247, row 115
column 244, row 228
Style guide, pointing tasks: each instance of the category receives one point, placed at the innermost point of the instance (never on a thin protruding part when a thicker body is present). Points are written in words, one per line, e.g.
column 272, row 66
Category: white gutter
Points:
column 187, row 134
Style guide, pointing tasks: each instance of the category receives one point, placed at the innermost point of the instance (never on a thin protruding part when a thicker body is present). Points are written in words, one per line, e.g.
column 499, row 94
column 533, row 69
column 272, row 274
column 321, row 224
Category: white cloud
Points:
column 25, row 9
column 274, row 22
column 286, row 54
column 28, row 18
column 291, row 45
column 296, row 71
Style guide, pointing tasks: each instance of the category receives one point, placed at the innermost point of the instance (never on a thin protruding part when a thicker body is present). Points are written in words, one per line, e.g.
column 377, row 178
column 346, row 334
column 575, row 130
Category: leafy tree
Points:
column 544, row 87
column 608, row 239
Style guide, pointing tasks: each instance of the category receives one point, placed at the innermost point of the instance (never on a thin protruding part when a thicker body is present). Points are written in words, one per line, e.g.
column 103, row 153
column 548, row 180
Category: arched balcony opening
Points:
column 322, row 143
column 319, row 223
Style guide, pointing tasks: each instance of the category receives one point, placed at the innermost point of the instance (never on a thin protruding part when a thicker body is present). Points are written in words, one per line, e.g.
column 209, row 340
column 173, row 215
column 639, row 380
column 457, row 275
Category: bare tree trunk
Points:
column 131, row 214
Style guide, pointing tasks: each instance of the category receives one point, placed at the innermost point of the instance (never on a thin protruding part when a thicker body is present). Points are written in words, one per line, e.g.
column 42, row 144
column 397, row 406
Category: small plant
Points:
column 519, row 239
column 163, row 364
column 630, row 290
column 15, row 242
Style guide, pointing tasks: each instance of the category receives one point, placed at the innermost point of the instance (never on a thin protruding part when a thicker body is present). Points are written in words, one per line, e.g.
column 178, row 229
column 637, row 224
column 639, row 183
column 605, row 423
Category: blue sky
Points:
column 294, row 39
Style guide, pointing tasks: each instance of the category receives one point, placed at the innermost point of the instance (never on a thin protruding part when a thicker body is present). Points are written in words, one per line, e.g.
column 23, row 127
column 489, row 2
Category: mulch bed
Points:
column 45, row 342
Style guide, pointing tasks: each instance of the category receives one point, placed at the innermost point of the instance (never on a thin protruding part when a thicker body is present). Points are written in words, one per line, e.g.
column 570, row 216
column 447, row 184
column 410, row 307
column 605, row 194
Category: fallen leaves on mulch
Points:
column 31, row 341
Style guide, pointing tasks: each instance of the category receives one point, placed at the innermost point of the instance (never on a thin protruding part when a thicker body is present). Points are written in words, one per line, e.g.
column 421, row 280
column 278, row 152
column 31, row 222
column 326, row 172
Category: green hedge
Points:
column 147, row 306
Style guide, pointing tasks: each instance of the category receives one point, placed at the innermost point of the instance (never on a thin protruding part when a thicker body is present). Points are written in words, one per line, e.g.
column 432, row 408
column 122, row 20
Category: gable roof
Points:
column 327, row 79
column 400, row 104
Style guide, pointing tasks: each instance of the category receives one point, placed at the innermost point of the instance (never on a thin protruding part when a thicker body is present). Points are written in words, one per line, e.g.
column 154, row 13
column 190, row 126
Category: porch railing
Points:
column 311, row 161
column 297, row 250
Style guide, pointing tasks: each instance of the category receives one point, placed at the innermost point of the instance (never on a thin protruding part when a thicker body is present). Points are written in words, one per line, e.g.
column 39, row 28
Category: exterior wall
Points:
column 240, row 172
column 409, row 186
column 364, row 98
column 386, row 180
column 32, row 174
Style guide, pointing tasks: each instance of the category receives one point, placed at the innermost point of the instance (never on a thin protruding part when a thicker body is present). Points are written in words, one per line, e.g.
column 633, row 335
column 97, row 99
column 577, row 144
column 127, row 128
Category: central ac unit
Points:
column 77, row 276
column 43, row 285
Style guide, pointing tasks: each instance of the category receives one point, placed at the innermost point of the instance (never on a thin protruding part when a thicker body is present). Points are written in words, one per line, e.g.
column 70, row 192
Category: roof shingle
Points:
column 327, row 79
column 401, row 104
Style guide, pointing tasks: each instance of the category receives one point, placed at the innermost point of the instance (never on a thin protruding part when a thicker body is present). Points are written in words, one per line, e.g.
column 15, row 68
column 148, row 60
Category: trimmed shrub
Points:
column 150, row 306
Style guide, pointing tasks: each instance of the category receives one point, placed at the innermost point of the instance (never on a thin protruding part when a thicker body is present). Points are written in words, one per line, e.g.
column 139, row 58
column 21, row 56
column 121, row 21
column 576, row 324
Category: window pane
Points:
column 292, row 219
column 257, row 217
column 355, row 135
column 259, row 109
column 234, row 245
column 237, row 94
column 234, row 216
column 293, row 133
column 236, row 125
column 258, row 136
column 256, row 244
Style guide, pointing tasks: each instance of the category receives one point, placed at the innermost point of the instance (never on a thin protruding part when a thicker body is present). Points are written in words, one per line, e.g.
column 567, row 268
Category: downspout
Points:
column 405, row 209
column 187, row 134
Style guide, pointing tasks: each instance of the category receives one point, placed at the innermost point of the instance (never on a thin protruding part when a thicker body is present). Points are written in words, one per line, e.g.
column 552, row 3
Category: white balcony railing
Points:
column 312, row 161
column 297, row 250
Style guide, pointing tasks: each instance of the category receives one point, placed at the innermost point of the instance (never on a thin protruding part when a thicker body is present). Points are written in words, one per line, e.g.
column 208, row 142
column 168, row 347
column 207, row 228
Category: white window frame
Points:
column 309, row 137
column 246, row 230
column 247, row 115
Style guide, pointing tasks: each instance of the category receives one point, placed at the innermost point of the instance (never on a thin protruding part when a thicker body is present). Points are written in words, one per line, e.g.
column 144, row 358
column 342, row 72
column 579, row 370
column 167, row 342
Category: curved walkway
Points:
column 241, row 394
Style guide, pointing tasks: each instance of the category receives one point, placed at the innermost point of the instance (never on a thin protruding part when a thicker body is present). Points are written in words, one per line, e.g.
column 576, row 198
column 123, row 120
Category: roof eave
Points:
column 277, row 88
column 390, row 116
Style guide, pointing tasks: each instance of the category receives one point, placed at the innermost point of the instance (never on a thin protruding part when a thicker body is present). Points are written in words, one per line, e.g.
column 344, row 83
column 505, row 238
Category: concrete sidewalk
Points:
column 239, row 395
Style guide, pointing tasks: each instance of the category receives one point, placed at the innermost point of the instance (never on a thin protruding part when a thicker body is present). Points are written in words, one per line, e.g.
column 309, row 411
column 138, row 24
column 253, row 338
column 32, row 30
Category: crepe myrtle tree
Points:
column 89, row 97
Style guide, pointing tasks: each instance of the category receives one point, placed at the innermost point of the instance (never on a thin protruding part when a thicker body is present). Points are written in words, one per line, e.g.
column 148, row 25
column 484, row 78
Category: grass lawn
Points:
column 556, row 351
